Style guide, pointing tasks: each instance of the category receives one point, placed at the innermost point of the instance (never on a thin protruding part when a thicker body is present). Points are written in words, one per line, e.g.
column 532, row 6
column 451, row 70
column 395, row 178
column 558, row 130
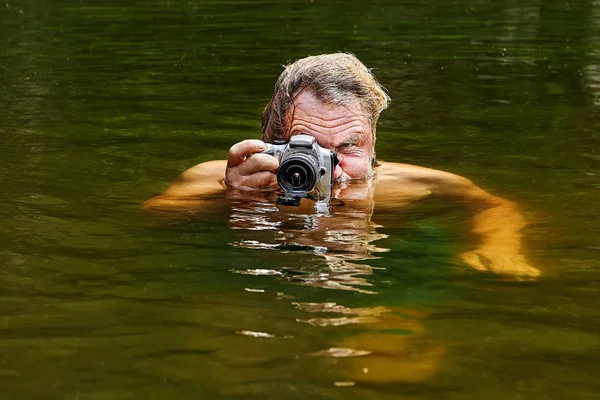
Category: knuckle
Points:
column 267, row 162
column 256, row 181
column 243, row 182
column 232, row 178
column 268, row 178
column 261, row 158
column 247, row 144
column 260, row 179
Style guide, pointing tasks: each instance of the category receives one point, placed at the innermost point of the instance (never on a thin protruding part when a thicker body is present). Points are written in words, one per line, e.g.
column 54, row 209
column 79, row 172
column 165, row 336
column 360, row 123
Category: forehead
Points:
column 317, row 117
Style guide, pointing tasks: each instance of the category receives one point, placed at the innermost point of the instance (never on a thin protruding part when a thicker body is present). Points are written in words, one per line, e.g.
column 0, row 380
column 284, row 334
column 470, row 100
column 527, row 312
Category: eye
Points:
column 347, row 145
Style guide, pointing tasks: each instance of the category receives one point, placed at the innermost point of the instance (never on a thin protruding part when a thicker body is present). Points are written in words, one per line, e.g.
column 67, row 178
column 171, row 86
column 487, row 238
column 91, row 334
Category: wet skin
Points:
column 246, row 174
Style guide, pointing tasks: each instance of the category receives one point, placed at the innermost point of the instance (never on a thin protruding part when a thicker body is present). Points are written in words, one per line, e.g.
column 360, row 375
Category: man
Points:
column 337, row 100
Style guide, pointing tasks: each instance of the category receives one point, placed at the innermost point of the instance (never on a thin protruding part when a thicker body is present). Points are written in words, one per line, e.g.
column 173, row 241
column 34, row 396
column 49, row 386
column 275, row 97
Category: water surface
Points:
column 102, row 104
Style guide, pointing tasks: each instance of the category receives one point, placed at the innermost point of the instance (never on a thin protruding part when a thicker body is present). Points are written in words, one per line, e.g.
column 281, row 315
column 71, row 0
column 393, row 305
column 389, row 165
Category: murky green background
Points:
column 103, row 102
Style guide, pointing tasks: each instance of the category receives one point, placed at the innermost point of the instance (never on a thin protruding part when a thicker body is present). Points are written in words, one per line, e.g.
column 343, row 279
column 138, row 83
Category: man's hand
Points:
column 499, row 262
column 248, row 169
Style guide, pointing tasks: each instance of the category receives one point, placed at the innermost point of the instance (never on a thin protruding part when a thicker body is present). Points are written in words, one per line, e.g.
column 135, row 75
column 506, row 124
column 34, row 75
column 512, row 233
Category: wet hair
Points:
column 338, row 78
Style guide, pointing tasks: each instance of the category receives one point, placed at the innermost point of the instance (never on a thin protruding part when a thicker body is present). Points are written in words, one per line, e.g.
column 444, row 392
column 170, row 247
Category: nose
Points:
column 337, row 172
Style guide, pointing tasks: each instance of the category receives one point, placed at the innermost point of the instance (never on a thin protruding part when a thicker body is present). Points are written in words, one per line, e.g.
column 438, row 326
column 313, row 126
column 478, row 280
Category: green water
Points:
column 103, row 103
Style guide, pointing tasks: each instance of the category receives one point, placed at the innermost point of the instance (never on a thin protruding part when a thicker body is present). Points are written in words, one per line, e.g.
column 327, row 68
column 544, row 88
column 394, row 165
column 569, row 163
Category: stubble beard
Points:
column 345, row 178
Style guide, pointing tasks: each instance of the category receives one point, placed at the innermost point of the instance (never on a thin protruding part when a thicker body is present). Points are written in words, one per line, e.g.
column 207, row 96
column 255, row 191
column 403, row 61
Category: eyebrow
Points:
column 354, row 138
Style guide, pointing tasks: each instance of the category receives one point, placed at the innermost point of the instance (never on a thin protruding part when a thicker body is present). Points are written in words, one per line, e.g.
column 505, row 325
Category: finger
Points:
column 520, row 272
column 252, row 173
column 533, row 272
column 260, row 179
column 473, row 261
column 258, row 163
column 515, row 266
column 239, row 151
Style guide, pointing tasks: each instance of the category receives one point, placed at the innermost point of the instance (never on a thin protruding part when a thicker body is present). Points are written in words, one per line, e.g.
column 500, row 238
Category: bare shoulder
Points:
column 208, row 169
column 396, row 180
column 203, row 178
column 416, row 174
column 431, row 180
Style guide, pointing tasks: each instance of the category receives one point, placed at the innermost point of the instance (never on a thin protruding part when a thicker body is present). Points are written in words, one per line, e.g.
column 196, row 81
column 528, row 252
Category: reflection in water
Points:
column 387, row 342
column 262, row 334
column 350, row 315
column 520, row 27
column 336, row 274
column 592, row 70
column 341, row 236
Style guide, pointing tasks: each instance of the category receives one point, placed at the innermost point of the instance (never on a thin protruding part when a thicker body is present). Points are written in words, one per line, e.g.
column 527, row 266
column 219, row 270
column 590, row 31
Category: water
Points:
column 101, row 104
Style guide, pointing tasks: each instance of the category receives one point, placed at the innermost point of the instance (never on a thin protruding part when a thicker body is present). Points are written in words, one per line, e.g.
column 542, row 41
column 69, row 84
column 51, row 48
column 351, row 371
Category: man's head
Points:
column 331, row 96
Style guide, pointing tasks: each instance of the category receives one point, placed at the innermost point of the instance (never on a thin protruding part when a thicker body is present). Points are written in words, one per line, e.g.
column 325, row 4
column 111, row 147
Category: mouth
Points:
column 342, row 179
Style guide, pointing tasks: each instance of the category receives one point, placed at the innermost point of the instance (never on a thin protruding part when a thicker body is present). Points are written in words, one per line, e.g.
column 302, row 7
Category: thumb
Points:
column 239, row 151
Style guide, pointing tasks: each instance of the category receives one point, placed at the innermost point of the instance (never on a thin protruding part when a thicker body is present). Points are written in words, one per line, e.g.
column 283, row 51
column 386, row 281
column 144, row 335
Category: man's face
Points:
column 344, row 129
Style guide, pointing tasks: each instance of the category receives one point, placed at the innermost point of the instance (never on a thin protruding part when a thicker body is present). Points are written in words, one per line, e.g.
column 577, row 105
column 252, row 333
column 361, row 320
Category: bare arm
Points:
column 192, row 188
column 498, row 222
column 244, row 169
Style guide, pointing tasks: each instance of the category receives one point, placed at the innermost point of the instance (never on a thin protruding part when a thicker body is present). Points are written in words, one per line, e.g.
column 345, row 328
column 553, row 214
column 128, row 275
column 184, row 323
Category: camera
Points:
column 303, row 165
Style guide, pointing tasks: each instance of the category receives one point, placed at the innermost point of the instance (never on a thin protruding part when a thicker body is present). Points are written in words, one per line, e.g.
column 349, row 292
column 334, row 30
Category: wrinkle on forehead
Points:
column 311, row 115
column 300, row 126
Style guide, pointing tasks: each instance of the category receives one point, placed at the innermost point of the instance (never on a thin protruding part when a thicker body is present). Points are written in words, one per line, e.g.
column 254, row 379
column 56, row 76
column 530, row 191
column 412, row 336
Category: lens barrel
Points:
column 298, row 172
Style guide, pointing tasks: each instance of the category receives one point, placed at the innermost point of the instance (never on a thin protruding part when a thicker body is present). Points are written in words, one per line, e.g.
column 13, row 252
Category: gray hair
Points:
column 338, row 78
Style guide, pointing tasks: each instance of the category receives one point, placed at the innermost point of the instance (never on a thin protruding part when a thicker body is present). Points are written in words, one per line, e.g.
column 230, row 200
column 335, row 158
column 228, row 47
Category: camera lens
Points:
column 298, row 173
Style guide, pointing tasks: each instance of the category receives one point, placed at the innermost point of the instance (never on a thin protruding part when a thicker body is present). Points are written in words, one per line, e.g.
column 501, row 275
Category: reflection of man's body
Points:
column 337, row 100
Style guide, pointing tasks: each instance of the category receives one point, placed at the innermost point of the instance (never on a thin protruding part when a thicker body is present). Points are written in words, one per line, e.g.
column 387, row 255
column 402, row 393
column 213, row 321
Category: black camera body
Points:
column 304, row 166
